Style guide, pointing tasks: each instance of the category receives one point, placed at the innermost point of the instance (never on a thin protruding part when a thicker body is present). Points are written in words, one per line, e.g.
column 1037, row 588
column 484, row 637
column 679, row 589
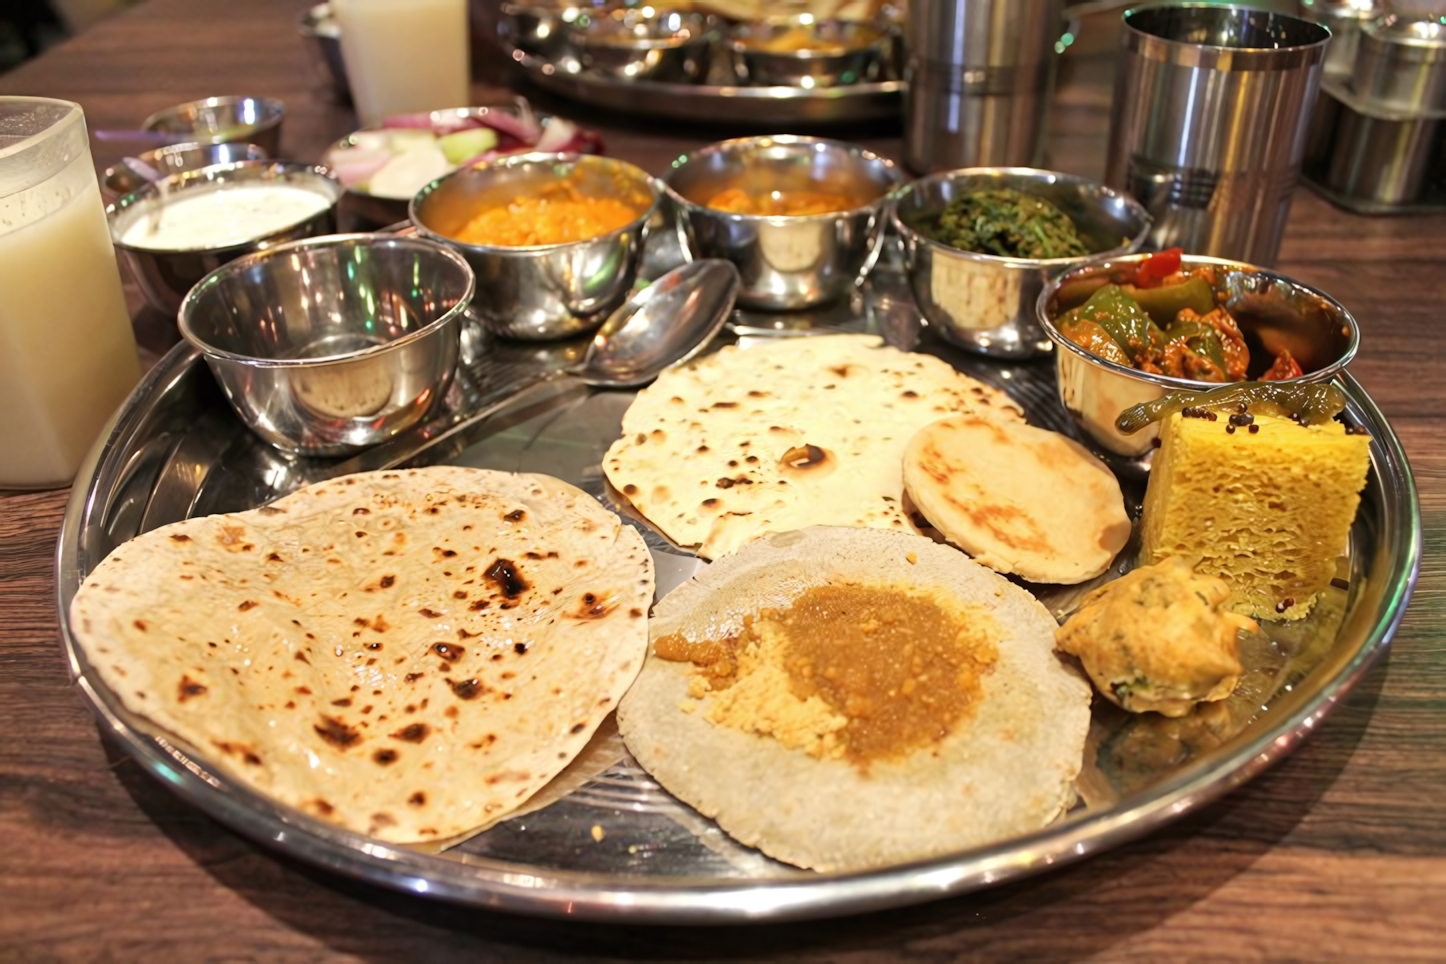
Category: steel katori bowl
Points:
column 985, row 302
column 546, row 291
column 223, row 120
column 165, row 274
column 327, row 345
column 803, row 51
column 666, row 46
column 123, row 179
column 1274, row 312
column 786, row 262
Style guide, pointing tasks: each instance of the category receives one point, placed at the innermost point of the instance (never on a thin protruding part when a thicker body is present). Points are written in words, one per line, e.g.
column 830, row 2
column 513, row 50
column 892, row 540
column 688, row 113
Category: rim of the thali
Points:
column 1376, row 610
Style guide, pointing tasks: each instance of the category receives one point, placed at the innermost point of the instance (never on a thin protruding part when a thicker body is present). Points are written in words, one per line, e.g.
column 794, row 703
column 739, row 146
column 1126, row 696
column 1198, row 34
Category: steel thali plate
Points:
column 615, row 846
column 722, row 103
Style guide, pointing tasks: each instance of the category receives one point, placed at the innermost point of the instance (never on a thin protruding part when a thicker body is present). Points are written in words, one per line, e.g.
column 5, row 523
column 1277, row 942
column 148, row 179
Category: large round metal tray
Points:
column 720, row 103
column 176, row 450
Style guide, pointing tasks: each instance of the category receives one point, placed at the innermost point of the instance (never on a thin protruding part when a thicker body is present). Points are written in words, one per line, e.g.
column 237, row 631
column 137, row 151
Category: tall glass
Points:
column 404, row 56
column 1208, row 124
column 67, row 351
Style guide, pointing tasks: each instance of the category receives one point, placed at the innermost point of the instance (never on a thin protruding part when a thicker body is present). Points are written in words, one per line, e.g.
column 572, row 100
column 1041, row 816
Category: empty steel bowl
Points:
column 123, row 178
column 328, row 345
column 643, row 44
column 1274, row 312
column 222, row 120
column 984, row 302
column 804, row 52
column 544, row 291
column 786, row 262
column 322, row 35
column 166, row 274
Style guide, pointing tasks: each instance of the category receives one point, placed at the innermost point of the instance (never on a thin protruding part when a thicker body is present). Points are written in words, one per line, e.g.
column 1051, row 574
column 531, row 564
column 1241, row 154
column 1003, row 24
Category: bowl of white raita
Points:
column 175, row 231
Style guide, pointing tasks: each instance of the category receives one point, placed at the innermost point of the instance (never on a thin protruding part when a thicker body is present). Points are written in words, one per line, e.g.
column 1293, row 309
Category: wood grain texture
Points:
column 1337, row 853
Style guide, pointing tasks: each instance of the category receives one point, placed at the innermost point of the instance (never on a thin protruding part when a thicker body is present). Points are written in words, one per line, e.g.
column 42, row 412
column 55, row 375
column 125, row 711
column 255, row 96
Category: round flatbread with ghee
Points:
column 1019, row 499
column 784, row 435
column 1004, row 766
column 409, row 654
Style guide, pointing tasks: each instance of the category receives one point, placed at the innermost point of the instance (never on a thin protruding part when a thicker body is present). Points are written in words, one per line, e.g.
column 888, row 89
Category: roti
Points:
column 408, row 654
column 1019, row 499
column 793, row 433
column 1006, row 769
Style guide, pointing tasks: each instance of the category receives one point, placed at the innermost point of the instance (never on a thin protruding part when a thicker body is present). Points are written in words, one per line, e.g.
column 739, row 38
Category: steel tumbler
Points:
column 979, row 74
column 1208, row 125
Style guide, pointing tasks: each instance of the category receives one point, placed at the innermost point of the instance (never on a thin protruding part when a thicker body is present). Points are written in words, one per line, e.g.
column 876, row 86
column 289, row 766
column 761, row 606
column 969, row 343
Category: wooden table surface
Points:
column 1337, row 852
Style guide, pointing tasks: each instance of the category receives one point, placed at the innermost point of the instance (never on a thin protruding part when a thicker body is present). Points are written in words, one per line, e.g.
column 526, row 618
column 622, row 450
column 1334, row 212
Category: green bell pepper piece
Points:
column 1163, row 304
column 1121, row 317
column 1200, row 338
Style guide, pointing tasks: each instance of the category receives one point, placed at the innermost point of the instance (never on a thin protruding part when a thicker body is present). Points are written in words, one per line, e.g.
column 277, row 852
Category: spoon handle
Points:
column 416, row 440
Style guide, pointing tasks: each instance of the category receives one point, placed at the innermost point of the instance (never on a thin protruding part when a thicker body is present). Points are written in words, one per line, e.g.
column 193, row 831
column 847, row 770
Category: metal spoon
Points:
column 667, row 323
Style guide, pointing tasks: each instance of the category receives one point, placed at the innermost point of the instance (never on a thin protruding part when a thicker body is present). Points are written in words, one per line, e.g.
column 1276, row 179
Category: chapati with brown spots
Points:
column 408, row 654
column 783, row 435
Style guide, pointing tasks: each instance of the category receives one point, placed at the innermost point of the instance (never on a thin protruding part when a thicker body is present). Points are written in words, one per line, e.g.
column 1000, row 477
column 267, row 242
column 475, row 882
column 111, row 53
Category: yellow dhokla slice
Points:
column 1268, row 511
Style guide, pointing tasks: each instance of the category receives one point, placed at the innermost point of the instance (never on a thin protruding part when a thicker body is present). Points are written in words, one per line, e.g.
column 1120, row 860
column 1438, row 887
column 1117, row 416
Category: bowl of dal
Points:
column 554, row 239
column 801, row 217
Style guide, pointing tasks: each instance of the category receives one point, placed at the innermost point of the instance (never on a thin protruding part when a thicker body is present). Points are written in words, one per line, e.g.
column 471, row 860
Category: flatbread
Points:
column 1007, row 770
column 409, row 654
column 1019, row 499
column 716, row 453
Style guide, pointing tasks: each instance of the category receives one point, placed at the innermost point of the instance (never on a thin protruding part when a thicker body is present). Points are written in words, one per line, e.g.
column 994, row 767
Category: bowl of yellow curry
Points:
column 801, row 217
column 555, row 240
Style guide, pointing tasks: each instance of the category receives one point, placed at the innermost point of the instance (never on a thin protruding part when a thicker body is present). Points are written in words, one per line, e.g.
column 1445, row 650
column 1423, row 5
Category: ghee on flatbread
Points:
column 792, row 433
column 408, row 654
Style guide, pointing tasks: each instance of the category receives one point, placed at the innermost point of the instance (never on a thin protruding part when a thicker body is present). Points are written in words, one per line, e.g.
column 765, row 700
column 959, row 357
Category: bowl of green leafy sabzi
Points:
column 1130, row 329
column 980, row 244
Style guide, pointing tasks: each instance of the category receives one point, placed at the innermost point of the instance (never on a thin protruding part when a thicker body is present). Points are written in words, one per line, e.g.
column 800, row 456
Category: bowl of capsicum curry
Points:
column 1128, row 330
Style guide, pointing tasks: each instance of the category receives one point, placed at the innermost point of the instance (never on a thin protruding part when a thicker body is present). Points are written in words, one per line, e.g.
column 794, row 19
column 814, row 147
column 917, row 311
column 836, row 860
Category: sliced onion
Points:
column 525, row 128
column 355, row 167
column 557, row 133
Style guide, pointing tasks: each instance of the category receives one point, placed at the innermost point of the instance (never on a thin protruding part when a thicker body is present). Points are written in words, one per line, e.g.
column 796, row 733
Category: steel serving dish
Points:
column 1273, row 311
column 176, row 450
column 719, row 99
column 166, row 274
column 123, row 179
column 327, row 345
column 655, row 45
column 544, row 291
column 221, row 120
column 785, row 262
column 773, row 52
column 985, row 302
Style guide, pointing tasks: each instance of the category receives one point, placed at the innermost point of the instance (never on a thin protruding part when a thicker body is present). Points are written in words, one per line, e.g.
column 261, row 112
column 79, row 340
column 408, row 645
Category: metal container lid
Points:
column 1401, row 63
column 1324, row 11
column 1331, row 10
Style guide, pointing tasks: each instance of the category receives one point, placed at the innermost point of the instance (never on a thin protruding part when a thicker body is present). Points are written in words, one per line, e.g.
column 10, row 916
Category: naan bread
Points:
column 409, row 654
column 785, row 435
column 1007, row 770
column 1017, row 498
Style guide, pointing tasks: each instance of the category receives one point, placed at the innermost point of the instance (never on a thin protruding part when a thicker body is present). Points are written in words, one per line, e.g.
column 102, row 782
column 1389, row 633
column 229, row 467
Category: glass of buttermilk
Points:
column 67, row 351
column 404, row 56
